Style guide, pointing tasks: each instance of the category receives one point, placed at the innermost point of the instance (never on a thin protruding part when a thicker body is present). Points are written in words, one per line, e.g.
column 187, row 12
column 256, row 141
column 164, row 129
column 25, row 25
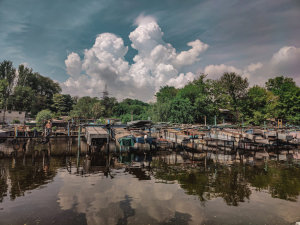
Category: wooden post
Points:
column 49, row 148
column 108, row 122
column 205, row 120
column 78, row 151
column 243, row 123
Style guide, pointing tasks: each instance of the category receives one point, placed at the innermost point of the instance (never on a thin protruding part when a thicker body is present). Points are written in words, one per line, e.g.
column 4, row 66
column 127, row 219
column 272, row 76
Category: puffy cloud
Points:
column 285, row 62
column 73, row 65
column 216, row 71
column 181, row 80
column 150, row 200
column 252, row 67
column 191, row 56
column 142, row 19
column 25, row 64
column 250, row 72
column 156, row 64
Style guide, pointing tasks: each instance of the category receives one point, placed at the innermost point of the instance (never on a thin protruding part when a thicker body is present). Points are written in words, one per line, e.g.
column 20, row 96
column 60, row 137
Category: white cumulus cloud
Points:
column 156, row 64
column 286, row 62
column 216, row 71
column 252, row 67
column 73, row 65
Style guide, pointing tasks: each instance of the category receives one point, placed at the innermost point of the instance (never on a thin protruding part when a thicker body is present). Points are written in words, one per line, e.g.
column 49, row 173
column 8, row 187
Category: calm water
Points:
column 177, row 188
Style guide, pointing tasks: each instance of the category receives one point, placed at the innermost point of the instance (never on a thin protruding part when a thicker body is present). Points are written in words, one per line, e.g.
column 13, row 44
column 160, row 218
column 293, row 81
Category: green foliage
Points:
column 236, row 87
column 181, row 111
column 7, row 73
column 37, row 128
column 28, row 91
column 259, row 105
column 62, row 103
column 124, row 109
column 127, row 117
column 280, row 98
column 102, row 120
column 160, row 112
column 84, row 106
column 166, row 93
column 54, row 128
column 16, row 121
column 23, row 98
column 43, row 115
column 3, row 87
column 98, row 110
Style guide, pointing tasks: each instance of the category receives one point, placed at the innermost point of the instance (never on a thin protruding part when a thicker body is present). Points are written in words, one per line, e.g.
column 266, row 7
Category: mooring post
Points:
column 243, row 123
column 79, row 132
column 49, row 148
column 108, row 122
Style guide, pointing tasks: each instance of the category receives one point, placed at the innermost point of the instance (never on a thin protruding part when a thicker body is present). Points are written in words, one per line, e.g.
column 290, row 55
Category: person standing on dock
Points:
column 48, row 128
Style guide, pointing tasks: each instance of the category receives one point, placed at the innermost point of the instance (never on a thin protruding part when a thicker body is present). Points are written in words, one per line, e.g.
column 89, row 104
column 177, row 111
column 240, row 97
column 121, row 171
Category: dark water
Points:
column 177, row 188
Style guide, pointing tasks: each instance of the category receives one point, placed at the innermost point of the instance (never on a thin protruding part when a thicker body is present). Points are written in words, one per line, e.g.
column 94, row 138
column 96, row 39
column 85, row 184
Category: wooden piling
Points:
column 78, row 151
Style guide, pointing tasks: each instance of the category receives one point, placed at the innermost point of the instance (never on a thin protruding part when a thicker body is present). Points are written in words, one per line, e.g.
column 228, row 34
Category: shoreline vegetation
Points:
column 24, row 90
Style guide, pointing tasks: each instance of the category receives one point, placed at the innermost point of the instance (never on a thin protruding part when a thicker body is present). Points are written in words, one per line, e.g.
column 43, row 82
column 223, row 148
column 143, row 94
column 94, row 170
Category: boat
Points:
column 4, row 133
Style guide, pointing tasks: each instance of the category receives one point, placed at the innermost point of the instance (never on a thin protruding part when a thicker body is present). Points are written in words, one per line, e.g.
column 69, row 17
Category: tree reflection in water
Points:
column 24, row 174
column 232, row 182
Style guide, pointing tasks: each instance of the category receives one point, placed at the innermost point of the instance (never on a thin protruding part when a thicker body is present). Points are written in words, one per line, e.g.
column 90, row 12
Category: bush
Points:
column 102, row 120
column 37, row 128
column 16, row 121
column 43, row 115
column 54, row 128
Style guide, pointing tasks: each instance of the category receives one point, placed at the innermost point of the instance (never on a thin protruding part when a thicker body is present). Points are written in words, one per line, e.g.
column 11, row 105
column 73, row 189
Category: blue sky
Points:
column 264, row 34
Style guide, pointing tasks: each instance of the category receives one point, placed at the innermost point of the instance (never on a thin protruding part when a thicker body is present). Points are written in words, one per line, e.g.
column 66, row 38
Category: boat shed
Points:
column 96, row 134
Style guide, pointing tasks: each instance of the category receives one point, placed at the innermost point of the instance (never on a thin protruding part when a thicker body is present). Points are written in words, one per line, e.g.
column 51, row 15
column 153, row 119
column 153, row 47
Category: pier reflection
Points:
column 156, row 187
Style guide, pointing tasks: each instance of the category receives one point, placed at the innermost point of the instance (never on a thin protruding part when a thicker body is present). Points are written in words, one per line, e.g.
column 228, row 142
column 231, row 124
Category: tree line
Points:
column 24, row 90
column 278, row 98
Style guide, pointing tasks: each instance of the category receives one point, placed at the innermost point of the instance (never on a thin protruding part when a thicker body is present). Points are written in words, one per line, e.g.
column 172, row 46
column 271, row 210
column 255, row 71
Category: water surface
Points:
column 177, row 188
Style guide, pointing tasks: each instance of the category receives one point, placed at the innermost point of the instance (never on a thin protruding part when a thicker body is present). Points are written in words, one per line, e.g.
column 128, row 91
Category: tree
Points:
column 160, row 112
column 3, row 87
column 22, row 98
column 259, row 105
column 288, row 98
column 8, row 73
column 75, row 99
column 166, row 93
column 98, row 110
column 68, row 101
column 84, row 106
column 278, row 85
column 121, row 109
column 58, row 103
column 25, row 77
column 43, row 115
column 236, row 87
column 181, row 111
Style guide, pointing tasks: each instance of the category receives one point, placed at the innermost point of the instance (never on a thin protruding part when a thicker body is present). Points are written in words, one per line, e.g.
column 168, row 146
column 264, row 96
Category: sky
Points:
column 136, row 46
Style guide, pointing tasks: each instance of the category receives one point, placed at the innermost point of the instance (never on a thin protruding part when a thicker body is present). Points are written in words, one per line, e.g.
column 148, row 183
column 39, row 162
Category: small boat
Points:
column 4, row 133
